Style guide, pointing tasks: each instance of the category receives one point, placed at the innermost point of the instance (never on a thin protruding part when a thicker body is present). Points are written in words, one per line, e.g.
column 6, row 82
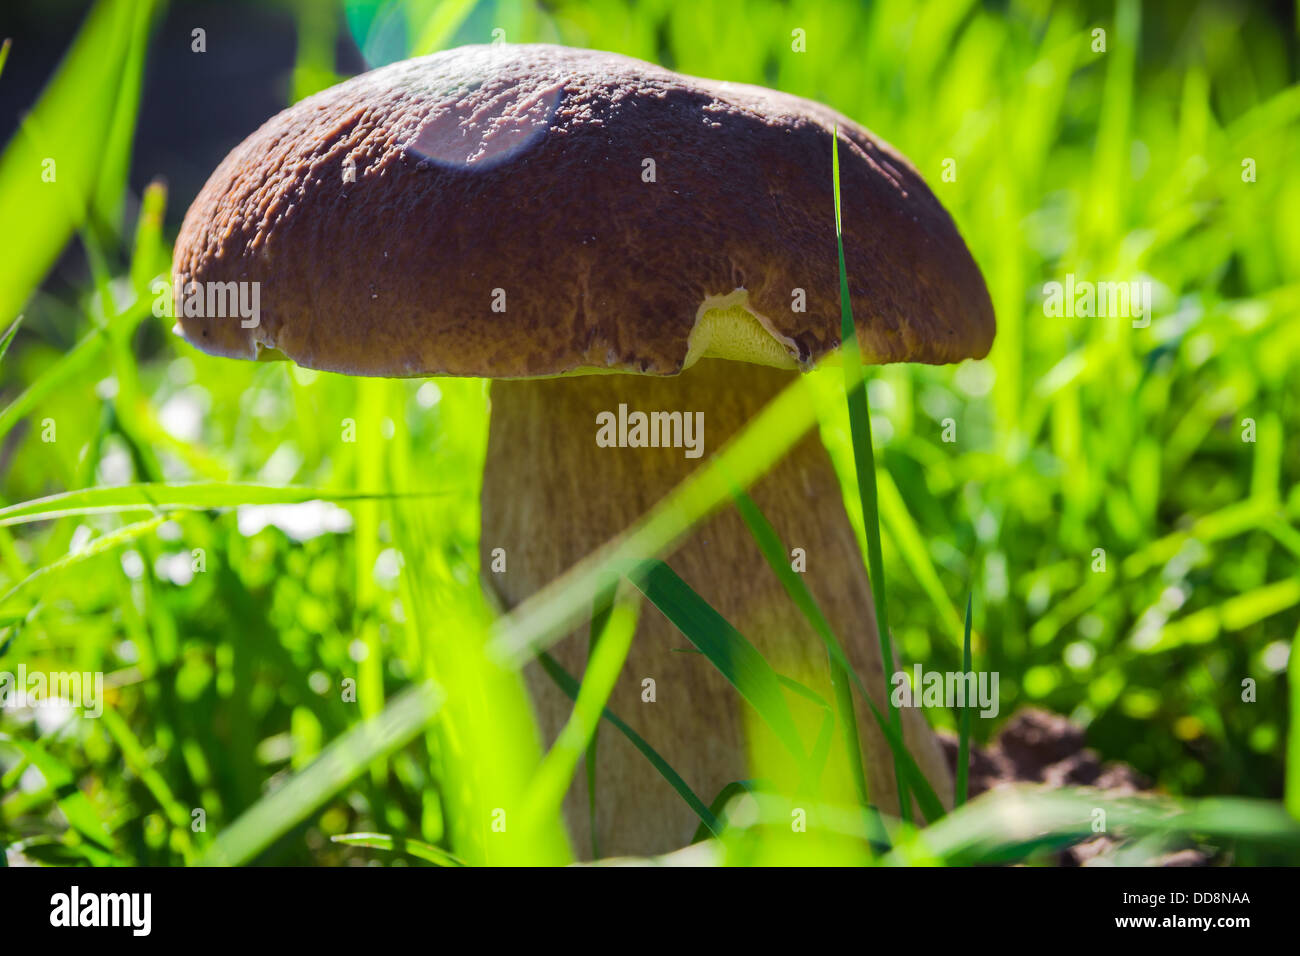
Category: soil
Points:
column 1036, row 746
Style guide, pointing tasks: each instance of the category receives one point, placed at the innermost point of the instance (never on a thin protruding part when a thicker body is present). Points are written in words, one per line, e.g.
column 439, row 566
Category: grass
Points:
column 962, row 783
column 229, row 569
column 864, row 458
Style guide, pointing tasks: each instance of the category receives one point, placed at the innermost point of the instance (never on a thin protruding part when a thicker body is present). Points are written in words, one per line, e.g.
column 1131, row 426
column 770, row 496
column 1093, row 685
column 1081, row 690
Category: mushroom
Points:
column 536, row 215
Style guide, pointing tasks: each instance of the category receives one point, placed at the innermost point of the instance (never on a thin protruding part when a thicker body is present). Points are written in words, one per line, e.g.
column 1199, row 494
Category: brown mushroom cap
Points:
column 520, row 168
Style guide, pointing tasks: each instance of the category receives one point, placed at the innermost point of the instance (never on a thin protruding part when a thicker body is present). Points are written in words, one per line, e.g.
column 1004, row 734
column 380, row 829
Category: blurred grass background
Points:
column 1076, row 434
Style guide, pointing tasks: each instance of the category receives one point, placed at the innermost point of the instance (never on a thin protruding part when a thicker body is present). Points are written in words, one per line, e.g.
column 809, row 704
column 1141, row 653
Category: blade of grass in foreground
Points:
column 719, row 804
column 62, row 782
column 1293, row 733
column 141, row 762
column 199, row 496
column 912, row 548
column 599, row 620
column 963, row 727
column 345, row 759
column 115, row 157
column 725, row 647
column 1009, row 823
column 604, row 664
column 748, row 671
column 97, row 547
column 905, row 766
column 150, row 255
column 69, row 365
column 773, row 549
column 9, row 336
column 83, row 122
column 567, row 683
column 864, row 460
column 415, row 848
column 484, row 745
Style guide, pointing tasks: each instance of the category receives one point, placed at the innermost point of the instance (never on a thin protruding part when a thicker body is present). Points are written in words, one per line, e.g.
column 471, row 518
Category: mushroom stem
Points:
column 551, row 496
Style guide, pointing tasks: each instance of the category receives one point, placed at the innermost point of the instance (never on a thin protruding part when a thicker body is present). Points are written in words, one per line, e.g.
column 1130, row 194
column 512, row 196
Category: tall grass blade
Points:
column 931, row 806
column 601, row 612
column 339, row 764
column 441, row 26
column 101, row 545
column 719, row 804
column 8, row 337
column 769, row 542
column 963, row 723
column 569, row 685
column 604, row 665
column 198, row 496
column 725, row 647
column 397, row 844
column 864, row 460
column 62, row 782
column 71, row 364
column 82, row 122
column 1293, row 731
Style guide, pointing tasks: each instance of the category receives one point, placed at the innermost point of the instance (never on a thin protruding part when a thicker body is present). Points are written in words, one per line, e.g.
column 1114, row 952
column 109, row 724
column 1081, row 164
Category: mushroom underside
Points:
column 551, row 495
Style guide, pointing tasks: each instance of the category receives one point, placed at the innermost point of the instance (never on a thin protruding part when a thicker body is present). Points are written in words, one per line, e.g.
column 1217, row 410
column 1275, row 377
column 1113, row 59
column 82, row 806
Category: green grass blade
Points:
column 1007, row 824
column 910, row 542
column 82, row 123
column 604, row 665
column 719, row 804
column 71, row 364
column 197, row 496
column 769, row 542
column 821, row 750
column 804, row 691
column 115, row 159
column 599, row 621
column 963, row 724
column 76, row 806
column 567, row 683
column 397, row 844
column 141, row 763
column 8, row 337
column 1293, row 732
column 441, row 26
column 864, row 460
column 931, row 806
column 773, row 549
column 345, row 759
column 725, row 647
column 150, row 257
column 101, row 545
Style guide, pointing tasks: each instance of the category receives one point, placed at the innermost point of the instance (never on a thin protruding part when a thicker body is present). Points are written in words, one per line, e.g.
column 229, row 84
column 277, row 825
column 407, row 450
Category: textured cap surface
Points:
column 511, row 211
